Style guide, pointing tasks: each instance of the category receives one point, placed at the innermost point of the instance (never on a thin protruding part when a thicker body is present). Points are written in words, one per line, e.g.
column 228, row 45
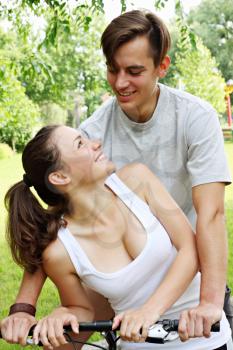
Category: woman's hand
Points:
column 134, row 324
column 49, row 330
column 15, row 328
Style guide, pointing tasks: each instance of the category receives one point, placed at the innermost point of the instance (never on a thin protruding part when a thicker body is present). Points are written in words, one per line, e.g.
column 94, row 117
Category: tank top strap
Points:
column 135, row 204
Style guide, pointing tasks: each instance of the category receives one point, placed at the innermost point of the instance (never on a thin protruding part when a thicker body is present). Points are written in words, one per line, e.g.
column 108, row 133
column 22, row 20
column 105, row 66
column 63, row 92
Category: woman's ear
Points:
column 58, row 178
column 163, row 67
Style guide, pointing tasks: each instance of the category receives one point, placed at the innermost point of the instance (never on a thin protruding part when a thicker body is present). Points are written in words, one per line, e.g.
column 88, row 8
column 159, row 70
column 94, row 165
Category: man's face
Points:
column 133, row 78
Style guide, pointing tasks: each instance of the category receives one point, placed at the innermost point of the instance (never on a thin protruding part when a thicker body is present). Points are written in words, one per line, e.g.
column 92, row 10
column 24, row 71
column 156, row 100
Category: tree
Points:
column 197, row 73
column 65, row 13
column 18, row 115
column 213, row 22
column 59, row 73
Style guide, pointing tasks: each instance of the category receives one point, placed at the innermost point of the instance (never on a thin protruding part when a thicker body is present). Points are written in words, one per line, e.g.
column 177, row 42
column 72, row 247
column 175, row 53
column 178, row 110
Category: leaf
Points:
column 193, row 41
column 123, row 5
column 160, row 4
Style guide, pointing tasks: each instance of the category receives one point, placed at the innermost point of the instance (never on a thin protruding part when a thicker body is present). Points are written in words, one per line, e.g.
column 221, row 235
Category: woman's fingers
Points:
column 133, row 329
column 50, row 330
column 144, row 330
column 117, row 321
column 74, row 324
column 135, row 324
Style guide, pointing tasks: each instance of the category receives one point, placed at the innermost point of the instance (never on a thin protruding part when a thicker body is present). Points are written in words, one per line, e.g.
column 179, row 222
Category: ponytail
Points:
column 30, row 227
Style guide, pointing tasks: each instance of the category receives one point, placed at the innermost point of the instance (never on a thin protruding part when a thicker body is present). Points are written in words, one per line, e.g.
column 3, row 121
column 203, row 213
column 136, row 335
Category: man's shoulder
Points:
column 101, row 115
column 185, row 98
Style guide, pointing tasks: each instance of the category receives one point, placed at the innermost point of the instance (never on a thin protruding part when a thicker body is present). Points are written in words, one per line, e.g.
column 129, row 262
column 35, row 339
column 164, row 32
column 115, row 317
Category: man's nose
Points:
column 121, row 81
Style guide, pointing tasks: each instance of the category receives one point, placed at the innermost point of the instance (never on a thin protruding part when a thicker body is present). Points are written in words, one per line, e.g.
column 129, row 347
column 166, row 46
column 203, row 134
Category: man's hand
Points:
column 15, row 328
column 197, row 322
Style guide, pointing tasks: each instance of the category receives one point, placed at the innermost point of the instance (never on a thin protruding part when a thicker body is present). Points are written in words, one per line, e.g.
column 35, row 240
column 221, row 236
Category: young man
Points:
column 175, row 134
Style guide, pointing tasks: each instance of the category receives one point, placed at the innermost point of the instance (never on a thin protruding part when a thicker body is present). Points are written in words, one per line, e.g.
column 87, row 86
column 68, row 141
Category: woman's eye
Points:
column 79, row 144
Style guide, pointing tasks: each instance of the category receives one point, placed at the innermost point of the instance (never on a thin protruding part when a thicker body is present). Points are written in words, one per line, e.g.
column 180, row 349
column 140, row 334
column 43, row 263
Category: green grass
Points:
column 10, row 274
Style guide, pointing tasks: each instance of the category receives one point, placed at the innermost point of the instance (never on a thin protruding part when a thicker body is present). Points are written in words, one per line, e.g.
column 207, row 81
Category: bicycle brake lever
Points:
column 157, row 334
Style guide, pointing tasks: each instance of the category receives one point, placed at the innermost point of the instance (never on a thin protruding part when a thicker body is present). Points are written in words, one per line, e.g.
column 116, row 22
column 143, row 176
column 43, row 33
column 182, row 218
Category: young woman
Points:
column 118, row 232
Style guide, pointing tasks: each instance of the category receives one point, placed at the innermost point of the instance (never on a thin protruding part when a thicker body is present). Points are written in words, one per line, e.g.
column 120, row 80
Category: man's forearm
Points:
column 212, row 250
column 31, row 286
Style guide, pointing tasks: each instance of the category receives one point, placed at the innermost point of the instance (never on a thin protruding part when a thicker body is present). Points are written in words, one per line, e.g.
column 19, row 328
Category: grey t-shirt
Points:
column 182, row 143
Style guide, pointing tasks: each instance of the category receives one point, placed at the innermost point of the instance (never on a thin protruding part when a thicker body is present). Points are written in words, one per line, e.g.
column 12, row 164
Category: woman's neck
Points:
column 90, row 202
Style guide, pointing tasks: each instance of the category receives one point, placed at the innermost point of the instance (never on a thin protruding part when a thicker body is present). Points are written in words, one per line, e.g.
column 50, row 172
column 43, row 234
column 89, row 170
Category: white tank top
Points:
column 133, row 284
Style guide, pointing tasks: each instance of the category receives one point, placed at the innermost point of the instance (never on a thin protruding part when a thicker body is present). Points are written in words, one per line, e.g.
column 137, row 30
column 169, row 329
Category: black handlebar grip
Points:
column 97, row 326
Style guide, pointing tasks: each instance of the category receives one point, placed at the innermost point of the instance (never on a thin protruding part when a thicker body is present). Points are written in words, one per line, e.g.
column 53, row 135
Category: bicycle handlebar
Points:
column 104, row 326
column 160, row 332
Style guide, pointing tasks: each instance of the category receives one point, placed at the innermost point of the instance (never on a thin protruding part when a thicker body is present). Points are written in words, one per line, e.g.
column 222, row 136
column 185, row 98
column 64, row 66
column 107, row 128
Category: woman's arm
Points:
column 75, row 304
column 185, row 265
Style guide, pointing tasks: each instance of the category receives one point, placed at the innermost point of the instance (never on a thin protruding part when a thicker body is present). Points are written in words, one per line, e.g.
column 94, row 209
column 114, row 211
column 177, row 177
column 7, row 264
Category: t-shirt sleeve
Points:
column 206, row 161
column 83, row 131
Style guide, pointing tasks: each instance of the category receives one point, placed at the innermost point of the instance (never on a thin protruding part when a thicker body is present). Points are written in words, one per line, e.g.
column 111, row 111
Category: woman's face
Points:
column 83, row 159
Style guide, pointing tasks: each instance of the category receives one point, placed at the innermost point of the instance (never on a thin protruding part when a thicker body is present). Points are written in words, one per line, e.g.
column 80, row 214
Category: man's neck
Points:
column 145, row 113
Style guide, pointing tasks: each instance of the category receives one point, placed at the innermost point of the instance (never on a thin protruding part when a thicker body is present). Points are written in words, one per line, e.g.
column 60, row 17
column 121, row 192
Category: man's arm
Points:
column 211, row 239
column 15, row 327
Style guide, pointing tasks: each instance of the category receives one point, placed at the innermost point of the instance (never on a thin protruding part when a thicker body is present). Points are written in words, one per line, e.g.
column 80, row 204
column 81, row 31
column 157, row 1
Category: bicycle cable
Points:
column 73, row 342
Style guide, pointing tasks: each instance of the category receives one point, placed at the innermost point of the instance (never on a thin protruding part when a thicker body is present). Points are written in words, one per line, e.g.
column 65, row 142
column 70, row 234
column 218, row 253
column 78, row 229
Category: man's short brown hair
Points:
column 132, row 24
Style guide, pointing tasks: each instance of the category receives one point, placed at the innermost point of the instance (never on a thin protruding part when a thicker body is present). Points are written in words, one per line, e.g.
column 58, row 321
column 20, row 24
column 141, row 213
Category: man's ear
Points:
column 58, row 178
column 163, row 67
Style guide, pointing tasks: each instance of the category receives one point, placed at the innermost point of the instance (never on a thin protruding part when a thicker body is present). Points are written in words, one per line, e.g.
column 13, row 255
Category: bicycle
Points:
column 160, row 333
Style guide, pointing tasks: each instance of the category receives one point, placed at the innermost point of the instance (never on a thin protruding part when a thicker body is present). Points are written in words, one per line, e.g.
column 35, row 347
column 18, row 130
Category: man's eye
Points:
column 111, row 70
column 135, row 72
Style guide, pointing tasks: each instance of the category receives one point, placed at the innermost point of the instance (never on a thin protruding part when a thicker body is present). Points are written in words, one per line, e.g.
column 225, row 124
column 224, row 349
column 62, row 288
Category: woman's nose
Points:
column 96, row 144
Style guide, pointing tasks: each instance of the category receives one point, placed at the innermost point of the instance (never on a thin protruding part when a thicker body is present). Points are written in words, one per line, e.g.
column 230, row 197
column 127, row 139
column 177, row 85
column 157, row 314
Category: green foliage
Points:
column 5, row 151
column 62, row 59
column 160, row 4
column 18, row 115
column 213, row 21
column 197, row 72
column 58, row 74
column 52, row 113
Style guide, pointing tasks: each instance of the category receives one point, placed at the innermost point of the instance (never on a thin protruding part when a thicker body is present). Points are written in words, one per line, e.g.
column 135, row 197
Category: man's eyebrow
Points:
column 135, row 67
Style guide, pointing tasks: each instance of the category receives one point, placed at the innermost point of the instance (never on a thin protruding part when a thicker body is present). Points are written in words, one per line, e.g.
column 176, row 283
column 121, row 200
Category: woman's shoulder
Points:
column 136, row 176
column 135, row 173
column 54, row 252
column 140, row 179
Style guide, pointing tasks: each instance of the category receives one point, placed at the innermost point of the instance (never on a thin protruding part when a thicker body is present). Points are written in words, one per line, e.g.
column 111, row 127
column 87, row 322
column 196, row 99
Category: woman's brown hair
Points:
column 135, row 23
column 31, row 227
